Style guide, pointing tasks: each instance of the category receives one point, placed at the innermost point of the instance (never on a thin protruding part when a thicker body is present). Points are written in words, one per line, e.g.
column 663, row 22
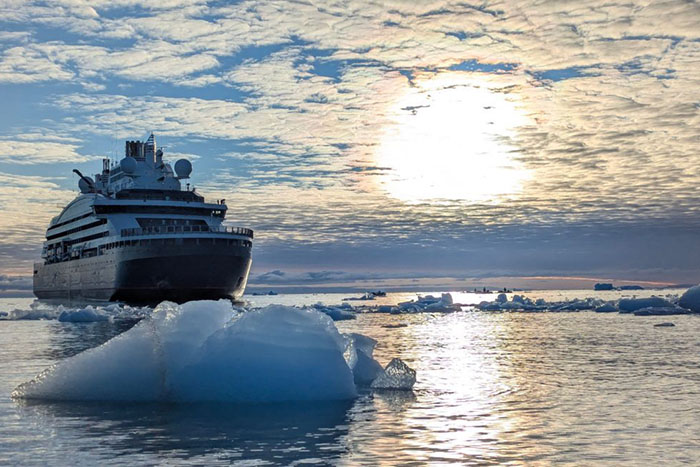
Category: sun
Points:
column 450, row 140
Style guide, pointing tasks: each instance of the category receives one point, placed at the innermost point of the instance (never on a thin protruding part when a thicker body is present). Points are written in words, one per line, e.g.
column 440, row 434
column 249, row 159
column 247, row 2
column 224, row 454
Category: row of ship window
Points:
column 178, row 241
column 96, row 223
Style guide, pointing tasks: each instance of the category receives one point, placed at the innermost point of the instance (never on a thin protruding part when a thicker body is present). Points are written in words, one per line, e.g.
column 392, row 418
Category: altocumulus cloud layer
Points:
column 416, row 138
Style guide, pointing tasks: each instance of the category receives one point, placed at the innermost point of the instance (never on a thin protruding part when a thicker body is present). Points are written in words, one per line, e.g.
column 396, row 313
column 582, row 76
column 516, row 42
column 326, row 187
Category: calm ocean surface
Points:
column 493, row 388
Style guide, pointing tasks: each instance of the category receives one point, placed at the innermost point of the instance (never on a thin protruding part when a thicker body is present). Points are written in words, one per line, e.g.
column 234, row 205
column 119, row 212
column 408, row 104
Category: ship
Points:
column 134, row 234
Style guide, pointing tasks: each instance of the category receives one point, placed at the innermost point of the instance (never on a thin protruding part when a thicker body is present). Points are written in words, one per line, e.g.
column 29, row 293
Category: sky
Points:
column 375, row 143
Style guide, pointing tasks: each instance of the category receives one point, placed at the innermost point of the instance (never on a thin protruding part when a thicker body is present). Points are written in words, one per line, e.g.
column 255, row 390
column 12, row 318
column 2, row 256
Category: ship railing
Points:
column 185, row 229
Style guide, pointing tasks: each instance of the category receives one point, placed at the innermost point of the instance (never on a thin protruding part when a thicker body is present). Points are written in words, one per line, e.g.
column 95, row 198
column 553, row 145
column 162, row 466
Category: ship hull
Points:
column 149, row 274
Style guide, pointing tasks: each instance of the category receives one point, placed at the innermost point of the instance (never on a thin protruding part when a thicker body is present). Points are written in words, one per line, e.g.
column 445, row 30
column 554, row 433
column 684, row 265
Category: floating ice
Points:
column 661, row 311
column 43, row 311
column 278, row 353
column 607, row 308
column 664, row 325
column 31, row 314
column 337, row 313
column 521, row 303
column 691, row 299
column 429, row 303
column 206, row 351
column 630, row 305
column 84, row 315
column 136, row 365
column 396, row 375
column 358, row 354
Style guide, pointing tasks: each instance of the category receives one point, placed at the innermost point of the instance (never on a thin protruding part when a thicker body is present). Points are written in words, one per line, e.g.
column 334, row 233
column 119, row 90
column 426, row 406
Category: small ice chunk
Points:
column 84, row 315
column 607, row 308
column 661, row 311
column 396, row 375
column 502, row 298
column 337, row 313
column 691, row 299
column 447, row 299
column 358, row 355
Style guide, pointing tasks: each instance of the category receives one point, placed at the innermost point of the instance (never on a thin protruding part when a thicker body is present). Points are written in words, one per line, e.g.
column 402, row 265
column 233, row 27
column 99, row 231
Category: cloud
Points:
column 15, row 282
column 28, row 203
column 28, row 152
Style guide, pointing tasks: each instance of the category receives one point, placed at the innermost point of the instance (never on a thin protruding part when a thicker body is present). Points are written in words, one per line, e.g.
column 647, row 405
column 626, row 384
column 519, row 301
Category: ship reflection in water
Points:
column 492, row 388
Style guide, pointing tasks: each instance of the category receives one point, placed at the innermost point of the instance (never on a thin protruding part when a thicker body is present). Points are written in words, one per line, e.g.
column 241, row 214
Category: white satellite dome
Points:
column 128, row 165
column 183, row 168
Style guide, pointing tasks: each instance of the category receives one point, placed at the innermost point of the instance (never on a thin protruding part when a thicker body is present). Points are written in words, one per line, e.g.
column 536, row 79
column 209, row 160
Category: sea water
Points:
column 494, row 388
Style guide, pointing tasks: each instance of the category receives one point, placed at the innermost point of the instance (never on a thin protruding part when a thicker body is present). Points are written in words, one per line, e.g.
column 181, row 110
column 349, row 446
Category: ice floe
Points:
column 631, row 305
column 664, row 325
column 691, row 299
column 209, row 351
column 429, row 303
column 42, row 311
column 521, row 303
column 661, row 311
column 84, row 315
column 650, row 306
column 607, row 308
column 341, row 312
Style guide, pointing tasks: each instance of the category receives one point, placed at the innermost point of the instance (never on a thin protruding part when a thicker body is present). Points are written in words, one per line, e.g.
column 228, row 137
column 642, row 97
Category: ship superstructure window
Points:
column 70, row 242
column 169, row 195
column 148, row 222
column 91, row 225
column 61, row 224
column 138, row 209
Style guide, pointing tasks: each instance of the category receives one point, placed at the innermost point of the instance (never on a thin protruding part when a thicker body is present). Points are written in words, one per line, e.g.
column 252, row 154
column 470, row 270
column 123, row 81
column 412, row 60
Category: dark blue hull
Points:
column 149, row 274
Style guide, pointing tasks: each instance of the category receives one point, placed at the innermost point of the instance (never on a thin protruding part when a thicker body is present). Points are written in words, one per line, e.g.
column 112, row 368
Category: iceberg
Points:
column 275, row 354
column 209, row 351
column 691, row 299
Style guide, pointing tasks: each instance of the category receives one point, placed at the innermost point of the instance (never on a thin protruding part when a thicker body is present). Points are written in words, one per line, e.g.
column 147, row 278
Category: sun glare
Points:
column 450, row 141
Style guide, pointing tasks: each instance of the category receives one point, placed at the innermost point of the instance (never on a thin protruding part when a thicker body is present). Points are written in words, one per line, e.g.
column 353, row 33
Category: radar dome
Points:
column 183, row 168
column 128, row 165
column 84, row 186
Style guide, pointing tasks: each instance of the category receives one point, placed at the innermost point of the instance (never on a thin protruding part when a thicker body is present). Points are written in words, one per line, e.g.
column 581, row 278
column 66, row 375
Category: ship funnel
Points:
column 149, row 149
